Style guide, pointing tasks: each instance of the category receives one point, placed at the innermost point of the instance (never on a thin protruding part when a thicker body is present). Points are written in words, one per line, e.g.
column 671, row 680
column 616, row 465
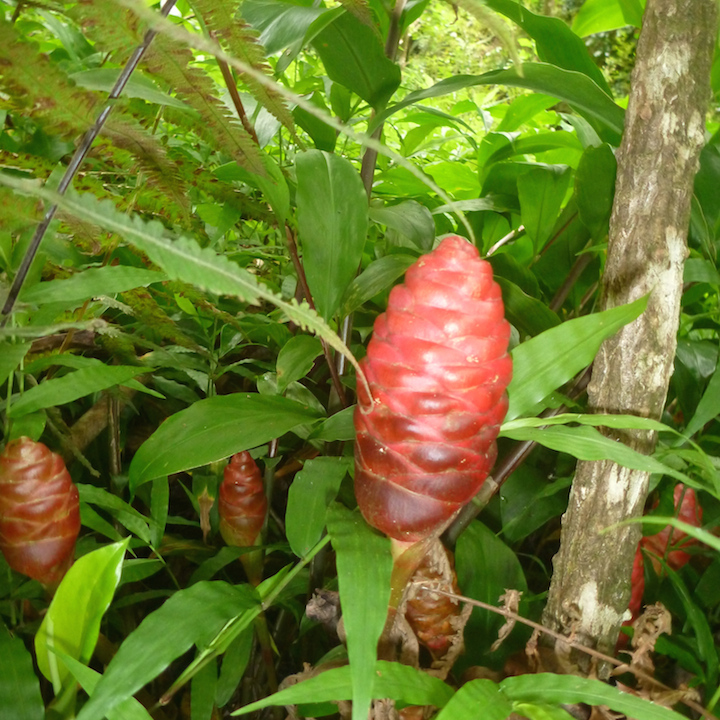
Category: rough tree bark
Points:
column 657, row 160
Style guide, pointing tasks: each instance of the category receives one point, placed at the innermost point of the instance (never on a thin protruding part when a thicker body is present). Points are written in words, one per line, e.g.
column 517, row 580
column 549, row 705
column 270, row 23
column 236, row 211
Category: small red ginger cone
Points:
column 661, row 544
column 39, row 511
column 437, row 367
column 242, row 506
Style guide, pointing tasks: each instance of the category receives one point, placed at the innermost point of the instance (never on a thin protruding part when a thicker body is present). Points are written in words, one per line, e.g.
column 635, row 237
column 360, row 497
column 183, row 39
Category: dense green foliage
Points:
column 214, row 270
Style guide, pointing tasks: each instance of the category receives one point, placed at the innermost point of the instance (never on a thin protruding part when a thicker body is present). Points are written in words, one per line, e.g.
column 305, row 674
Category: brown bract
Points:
column 39, row 511
column 438, row 367
column 242, row 502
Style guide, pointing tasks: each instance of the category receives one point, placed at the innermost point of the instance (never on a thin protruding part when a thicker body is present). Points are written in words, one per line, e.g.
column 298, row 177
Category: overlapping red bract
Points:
column 39, row 511
column 242, row 503
column 437, row 367
column 661, row 544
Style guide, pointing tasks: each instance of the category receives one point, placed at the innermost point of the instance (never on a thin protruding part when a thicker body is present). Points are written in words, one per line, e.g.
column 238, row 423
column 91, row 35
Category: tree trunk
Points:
column 657, row 161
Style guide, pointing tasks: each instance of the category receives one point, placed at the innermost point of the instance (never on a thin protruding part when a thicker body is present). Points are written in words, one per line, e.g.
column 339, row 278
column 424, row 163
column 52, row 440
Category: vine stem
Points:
column 74, row 166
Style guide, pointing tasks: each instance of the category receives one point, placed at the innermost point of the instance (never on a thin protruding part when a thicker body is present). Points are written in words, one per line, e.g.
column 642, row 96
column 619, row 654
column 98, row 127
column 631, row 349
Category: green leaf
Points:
column 544, row 363
column 612, row 421
column 377, row 277
column 72, row 622
column 700, row 270
column 339, row 426
column 586, row 443
column 364, row 566
column 159, row 503
column 573, row 87
column 234, row 662
column 126, row 514
column 202, row 692
column 332, row 221
column 213, row 429
column 19, row 686
column 295, row 359
column 280, row 24
column 709, row 406
column 129, row 709
column 353, row 56
column 541, row 191
column 72, row 386
column 596, row 16
column 535, row 144
column 528, row 314
column 595, row 189
column 477, row 699
column 323, row 136
column 392, row 680
column 138, row 86
column 486, row 567
column 11, row 355
column 191, row 616
column 410, row 219
column 310, row 495
column 567, row 689
column 541, row 711
column 556, row 43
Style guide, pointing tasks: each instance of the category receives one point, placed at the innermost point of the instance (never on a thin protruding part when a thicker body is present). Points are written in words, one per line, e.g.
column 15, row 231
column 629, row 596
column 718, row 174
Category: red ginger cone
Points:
column 39, row 511
column 242, row 505
column 437, row 366
column 687, row 510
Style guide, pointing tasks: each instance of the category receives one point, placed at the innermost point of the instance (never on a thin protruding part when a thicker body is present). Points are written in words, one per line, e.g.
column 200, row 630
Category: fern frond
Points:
column 151, row 158
column 18, row 213
column 172, row 63
column 222, row 19
column 109, row 27
column 40, row 89
column 183, row 259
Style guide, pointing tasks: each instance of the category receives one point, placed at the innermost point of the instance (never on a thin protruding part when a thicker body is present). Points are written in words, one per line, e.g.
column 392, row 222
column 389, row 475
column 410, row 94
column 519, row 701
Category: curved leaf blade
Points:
column 80, row 383
column 332, row 220
column 544, row 363
column 190, row 616
column 573, row 87
column 213, row 429
column 478, row 698
column 364, row 567
column 565, row 689
column 392, row 680
column 19, row 686
column 72, row 622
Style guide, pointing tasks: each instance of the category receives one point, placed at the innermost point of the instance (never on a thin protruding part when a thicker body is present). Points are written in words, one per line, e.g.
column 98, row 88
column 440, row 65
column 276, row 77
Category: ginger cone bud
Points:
column 39, row 511
column 242, row 506
column 437, row 367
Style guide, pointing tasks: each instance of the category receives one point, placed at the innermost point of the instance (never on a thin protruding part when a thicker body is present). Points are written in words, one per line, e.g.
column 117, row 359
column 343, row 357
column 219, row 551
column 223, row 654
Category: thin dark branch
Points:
column 237, row 101
column 72, row 168
column 571, row 643
column 575, row 272
column 302, row 279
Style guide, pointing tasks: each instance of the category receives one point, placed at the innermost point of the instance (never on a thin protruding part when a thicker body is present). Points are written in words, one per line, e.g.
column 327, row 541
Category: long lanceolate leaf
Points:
column 549, row 360
column 19, row 686
column 364, row 567
column 190, row 616
column 573, row 87
column 184, row 259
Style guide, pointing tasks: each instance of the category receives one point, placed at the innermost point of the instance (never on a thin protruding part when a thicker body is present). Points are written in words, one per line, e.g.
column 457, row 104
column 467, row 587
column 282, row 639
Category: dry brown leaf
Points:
column 511, row 603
